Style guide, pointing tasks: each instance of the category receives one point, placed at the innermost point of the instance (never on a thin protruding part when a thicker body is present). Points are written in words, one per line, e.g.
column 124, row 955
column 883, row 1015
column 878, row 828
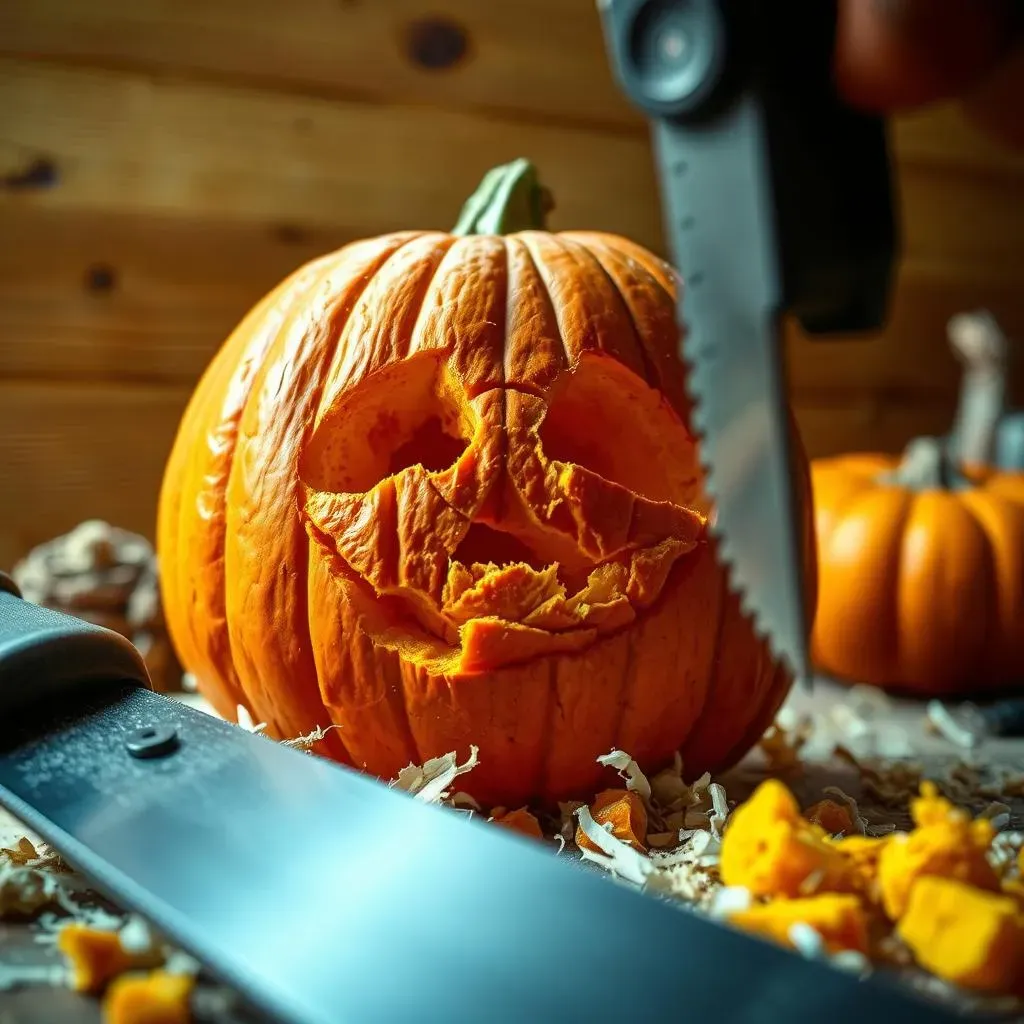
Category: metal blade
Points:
column 777, row 200
column 718, row 209
column 324, row 897
column 688, row 65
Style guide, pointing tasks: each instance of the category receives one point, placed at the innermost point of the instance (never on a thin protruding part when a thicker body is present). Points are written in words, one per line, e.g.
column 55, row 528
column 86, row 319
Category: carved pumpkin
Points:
column 921, row 558
column 438, row 489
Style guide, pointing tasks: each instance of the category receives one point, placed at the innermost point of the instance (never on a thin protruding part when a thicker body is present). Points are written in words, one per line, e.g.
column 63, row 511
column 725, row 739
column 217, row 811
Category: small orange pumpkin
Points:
column 922, row 558
column 921, row 578
column 438, row 489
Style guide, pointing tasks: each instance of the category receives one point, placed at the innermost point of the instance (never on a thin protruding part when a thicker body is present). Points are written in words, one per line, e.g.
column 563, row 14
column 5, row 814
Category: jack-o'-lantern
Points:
column 438, row 489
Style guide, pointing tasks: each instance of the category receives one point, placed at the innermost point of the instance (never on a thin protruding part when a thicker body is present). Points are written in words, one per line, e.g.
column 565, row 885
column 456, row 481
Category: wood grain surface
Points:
column 120, row 141
column 163, row 165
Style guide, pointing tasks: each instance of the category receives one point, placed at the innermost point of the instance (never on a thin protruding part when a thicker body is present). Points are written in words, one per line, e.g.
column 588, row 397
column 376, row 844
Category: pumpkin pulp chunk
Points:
column 468, row 515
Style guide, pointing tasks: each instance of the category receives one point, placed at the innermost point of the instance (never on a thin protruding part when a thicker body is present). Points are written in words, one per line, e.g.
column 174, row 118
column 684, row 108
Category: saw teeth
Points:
column 725, row 554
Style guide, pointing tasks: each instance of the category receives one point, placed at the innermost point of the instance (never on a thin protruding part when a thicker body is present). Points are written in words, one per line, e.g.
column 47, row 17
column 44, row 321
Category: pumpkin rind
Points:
column 308, row 581
column 922, row 591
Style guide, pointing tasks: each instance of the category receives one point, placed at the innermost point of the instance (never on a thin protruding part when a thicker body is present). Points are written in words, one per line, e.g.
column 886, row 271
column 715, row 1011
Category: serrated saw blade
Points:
column 714, row 192
column 776, row 199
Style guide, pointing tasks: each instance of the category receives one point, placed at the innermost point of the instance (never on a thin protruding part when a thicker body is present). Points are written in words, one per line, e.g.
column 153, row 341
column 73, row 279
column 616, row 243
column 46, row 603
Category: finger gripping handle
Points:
column 47, row 656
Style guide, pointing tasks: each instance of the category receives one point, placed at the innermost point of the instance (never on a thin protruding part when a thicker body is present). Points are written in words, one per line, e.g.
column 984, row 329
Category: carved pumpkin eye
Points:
column 429, row 446
column 603, row 418
column 408, row 414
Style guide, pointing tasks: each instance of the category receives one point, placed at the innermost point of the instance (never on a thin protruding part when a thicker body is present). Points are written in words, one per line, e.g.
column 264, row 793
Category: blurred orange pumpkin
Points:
column 921, row 557
column 921, row 587
column 438, row 489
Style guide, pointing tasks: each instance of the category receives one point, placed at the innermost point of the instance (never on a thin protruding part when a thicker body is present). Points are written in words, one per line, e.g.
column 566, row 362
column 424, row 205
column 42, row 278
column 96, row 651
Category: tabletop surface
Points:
column 861, row 721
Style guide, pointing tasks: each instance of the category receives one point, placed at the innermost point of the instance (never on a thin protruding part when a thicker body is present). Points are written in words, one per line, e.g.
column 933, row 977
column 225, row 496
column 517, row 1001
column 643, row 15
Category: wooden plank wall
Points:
column 163, row 164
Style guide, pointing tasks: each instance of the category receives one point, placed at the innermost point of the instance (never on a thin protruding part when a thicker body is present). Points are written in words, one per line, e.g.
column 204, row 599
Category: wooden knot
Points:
column 40, row 173
column 100, row 278
column 290, row 234
column 436, row 43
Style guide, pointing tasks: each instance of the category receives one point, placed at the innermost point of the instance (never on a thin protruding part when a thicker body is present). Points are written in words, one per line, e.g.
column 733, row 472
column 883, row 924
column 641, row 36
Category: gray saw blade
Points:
column 729, row 310
column 777, row 199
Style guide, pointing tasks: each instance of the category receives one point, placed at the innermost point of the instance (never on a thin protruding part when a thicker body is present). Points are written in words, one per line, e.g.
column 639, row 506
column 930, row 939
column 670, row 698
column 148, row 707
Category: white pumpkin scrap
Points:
column 431, row 782
column 629, row 770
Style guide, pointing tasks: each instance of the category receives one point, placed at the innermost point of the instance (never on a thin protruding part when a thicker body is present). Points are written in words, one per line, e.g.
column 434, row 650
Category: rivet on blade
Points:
column 152, row 741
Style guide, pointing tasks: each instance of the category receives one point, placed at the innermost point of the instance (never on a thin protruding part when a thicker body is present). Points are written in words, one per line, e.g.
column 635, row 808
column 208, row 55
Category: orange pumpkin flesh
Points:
column 920, row 589
column 438, row 489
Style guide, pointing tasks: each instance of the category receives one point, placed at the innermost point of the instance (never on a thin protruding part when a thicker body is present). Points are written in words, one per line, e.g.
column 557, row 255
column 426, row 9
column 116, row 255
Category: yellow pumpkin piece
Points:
column 936, row 850
column 625, row 811
column 521, row 821
column 833, row 817
column 865, row 848
column 946, row 843
column 96, row 956
column 932, row 808
column 965, row 936
column 770, row 849
column 839, row 920
column 156, row 998
column 862, row 853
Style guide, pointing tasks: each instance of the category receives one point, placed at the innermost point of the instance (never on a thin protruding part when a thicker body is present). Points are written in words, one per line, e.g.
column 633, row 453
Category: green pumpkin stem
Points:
column 927, row 465
column 510, row 198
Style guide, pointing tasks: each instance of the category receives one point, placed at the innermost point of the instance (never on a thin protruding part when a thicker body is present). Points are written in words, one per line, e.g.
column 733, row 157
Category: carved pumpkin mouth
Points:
column 475, row 530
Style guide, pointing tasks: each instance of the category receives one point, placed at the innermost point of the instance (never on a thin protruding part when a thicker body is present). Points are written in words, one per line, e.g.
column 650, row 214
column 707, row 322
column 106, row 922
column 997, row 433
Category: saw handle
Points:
column 47, row 656
column 827, row 235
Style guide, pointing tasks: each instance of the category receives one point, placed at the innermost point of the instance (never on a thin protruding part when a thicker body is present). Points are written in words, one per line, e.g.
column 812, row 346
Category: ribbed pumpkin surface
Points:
column 921, row 590
column 439, row 490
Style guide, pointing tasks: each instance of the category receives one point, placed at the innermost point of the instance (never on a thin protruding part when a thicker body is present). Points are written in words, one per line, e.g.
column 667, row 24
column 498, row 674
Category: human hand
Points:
column 894, row 55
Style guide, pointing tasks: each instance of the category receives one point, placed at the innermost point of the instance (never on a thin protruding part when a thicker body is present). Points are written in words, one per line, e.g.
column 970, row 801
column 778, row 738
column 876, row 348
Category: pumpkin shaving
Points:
column 833, row 817
column 628, row 770
column 782, row 743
